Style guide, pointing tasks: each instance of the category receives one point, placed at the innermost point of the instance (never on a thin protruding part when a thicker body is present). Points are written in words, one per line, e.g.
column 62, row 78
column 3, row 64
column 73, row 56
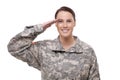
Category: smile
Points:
column 65, row 30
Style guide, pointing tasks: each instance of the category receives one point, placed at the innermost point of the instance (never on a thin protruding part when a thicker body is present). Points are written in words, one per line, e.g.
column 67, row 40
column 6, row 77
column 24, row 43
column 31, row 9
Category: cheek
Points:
column 71, row 27
column 58, row 26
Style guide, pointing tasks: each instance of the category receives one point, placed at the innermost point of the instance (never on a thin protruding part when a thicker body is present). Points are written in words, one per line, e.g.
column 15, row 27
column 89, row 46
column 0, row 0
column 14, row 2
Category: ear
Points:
column 74, row 23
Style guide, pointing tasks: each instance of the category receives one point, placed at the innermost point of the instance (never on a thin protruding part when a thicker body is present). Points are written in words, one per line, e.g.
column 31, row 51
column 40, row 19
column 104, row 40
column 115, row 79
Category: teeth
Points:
column 65, row 30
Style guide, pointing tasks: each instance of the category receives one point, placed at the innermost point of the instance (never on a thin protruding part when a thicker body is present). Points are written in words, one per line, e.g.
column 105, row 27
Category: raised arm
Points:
column 21, row 45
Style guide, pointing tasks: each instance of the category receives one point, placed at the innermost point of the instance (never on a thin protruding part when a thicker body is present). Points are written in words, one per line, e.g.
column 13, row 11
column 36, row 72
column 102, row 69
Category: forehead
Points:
column 64, row 14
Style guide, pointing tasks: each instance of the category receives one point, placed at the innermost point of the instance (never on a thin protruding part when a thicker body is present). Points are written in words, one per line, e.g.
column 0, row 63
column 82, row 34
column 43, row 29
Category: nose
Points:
column 65, row 24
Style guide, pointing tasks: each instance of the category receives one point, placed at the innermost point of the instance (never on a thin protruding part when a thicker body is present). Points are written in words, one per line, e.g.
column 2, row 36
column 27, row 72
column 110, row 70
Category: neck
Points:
column 67, row 42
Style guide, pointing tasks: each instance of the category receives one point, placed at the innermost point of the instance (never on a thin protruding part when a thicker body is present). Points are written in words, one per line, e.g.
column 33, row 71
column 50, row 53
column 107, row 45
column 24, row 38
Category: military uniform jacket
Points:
column 77, row 63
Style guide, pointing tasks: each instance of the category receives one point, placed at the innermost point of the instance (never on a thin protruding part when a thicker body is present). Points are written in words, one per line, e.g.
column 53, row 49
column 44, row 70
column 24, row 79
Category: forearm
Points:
column 24, row 39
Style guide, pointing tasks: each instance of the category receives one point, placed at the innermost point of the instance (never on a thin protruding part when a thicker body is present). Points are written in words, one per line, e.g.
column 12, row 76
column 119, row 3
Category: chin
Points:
column 65, row 36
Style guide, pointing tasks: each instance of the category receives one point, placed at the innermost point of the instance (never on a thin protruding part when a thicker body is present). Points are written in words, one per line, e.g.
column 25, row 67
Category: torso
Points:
column 64, row 65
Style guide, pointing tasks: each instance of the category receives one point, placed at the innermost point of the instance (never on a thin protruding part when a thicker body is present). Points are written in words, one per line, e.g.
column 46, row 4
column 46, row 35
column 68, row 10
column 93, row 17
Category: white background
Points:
column 98, row 23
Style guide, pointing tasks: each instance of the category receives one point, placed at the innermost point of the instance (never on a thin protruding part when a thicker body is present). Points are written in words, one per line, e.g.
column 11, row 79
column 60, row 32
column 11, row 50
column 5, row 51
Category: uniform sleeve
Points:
column 94, row 70
column 22, row 48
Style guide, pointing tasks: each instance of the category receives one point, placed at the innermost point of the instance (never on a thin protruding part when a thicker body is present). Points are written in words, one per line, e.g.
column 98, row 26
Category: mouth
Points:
column 65, row 30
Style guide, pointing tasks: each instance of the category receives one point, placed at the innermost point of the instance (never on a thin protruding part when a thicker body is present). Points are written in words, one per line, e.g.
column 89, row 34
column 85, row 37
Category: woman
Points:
column 64, row 58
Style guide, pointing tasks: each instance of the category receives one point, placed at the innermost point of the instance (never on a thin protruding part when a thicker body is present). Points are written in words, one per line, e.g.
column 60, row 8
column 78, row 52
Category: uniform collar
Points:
column 77, row 48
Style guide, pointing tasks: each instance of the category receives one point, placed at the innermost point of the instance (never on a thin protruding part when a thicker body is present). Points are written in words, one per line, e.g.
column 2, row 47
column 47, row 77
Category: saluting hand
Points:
column 49, row 23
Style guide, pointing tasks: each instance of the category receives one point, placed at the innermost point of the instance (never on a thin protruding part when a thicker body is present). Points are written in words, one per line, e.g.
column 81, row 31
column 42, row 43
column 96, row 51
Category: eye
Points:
column 60, row 21
column 69, row 20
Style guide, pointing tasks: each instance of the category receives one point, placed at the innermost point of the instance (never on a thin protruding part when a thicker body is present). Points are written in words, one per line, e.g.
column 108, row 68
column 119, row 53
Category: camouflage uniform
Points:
column 77, row 63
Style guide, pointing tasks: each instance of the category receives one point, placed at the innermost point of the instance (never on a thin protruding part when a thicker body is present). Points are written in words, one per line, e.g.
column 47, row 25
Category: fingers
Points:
column 49, row 23
column 52, row 22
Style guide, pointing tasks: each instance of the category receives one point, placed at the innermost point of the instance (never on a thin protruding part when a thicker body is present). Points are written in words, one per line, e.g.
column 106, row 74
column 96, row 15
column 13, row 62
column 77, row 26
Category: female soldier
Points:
column 64, row 58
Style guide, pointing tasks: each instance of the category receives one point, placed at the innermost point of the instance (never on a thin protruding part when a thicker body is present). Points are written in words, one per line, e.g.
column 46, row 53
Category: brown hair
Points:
column 64, row 8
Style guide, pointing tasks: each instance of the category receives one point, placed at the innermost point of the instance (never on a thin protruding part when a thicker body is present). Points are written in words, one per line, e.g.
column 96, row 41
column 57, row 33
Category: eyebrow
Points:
column 62, row 19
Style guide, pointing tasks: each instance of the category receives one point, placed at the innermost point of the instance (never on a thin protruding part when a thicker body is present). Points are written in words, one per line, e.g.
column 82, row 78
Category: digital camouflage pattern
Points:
column 77, row 63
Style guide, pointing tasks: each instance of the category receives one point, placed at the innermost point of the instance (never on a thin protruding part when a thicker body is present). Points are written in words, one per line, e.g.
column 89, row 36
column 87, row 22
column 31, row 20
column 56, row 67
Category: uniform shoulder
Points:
column 88, row 49
column 85, row 45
